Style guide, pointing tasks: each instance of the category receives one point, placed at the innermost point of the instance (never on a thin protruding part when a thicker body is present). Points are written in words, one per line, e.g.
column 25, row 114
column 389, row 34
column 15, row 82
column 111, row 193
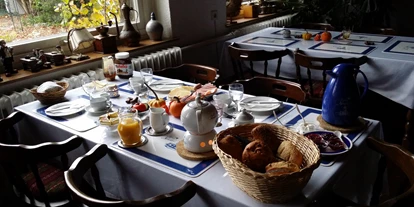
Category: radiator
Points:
column 170, row 57
column 17, row 98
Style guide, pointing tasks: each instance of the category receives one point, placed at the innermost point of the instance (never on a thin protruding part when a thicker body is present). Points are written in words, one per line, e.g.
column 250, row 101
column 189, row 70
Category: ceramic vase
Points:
column 154, row 28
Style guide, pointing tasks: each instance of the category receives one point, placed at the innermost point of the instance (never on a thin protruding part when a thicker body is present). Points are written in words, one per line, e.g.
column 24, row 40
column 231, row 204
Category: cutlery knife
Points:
column 162, row 84
column 262, row 102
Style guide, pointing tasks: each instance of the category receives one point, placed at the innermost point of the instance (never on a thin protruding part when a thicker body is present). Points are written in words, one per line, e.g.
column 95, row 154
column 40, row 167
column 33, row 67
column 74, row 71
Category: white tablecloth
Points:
column 389, row 74
column 131, row 176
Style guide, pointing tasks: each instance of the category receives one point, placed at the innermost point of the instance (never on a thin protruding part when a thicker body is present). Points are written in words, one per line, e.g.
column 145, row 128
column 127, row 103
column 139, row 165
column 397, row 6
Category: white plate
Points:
column 249, row 104
column 64, row 112
column 166, row 85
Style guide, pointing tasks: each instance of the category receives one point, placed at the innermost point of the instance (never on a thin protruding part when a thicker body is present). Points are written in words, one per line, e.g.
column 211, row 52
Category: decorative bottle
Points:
column 154, row 28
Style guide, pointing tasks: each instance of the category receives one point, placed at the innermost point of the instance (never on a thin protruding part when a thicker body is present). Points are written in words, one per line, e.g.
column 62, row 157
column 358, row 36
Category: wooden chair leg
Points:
column 408, row 139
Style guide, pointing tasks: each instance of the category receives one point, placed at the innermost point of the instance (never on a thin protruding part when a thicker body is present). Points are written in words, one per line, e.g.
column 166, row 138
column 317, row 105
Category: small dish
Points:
column 325, row 145
column 144, row 141
column 111, row 128
column 151, row 132
column 98, row 112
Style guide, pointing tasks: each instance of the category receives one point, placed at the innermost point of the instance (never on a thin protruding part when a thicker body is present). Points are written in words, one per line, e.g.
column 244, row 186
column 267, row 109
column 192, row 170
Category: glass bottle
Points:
column 130, row 126
column 109, row 68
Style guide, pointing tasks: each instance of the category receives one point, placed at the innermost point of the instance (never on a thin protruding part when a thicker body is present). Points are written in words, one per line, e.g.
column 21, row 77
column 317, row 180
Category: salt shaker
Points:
column 286, row 33
column 243, row 118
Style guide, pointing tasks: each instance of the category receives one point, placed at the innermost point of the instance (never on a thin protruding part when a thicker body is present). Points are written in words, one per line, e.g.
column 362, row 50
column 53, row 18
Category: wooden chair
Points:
column 398, row 159
column 404, row 161
column 191, row 73
column 316, row 26
column 96, row 197
column 239, row 55
column 267, row 86
column 29, row 168
column 408, row 139
column 315, row 88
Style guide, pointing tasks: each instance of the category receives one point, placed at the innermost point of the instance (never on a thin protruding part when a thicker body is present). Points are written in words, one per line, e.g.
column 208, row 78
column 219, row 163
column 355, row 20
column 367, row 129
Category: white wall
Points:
column 191, row 20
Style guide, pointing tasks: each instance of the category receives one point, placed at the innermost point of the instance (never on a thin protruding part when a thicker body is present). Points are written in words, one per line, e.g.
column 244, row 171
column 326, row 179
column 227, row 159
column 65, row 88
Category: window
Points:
column 42, row 24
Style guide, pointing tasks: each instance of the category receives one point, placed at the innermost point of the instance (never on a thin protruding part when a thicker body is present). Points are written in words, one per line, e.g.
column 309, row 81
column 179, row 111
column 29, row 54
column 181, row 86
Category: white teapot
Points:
column 199, row 119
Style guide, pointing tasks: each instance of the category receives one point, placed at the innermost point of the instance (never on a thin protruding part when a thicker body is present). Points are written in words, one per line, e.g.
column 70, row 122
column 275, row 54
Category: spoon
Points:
column 277, row 118
column 300, row 114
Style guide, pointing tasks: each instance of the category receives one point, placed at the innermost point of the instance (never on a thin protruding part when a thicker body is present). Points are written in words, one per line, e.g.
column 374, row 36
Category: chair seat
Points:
column 53, row 180
column 317, row 88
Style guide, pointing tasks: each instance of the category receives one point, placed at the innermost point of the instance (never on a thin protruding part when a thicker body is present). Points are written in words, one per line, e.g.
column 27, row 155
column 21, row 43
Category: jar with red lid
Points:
column 123, row 65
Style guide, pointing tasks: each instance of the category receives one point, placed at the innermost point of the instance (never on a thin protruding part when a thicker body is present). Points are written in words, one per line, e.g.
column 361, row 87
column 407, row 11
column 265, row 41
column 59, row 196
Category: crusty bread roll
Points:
column 257, row 155
column 266, row 133
column 280, row 168
column 288, row 152
column 230, row 145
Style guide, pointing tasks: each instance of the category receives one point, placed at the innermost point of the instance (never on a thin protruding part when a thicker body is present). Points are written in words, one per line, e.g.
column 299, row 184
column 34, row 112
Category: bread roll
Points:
column 288, row 152
column 267, row 134
column 230, row 145
column 257, row 155
column 280, row 168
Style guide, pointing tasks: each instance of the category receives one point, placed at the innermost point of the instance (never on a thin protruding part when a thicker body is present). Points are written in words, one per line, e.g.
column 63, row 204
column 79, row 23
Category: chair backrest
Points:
column 321, row 64
column 15, row 157
column 238, row 55
column 267, row 86
column 80, row 166
column 318, row 26
column 404, row 160
column 190, row 72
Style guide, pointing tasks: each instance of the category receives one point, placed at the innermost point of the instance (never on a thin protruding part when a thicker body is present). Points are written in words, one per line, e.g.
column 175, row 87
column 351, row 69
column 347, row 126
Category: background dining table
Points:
column 389, row 68
column 130, row 175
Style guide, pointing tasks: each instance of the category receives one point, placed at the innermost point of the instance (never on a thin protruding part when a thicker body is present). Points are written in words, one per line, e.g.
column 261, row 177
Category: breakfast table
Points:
column 390, row 59
column 155, row 168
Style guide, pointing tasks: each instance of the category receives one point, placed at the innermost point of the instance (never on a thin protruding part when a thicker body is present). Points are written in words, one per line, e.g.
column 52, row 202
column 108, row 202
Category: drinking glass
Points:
column 220, row 105
column 129, row 127
column 137, row 84
column 88, row 86
column 236, row 91
column 108, row 68
column 147, row 73
column 346, row 33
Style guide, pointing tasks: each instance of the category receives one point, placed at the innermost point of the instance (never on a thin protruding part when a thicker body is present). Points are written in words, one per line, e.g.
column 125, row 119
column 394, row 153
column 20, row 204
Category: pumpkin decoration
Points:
column 306, row 36
column 326, row 36
column 157, row 102
column 176, row 106
column 317, row 37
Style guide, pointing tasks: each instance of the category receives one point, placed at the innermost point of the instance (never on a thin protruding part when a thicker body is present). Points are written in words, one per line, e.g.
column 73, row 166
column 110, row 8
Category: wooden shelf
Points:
column 246, row 21
column 93, row 56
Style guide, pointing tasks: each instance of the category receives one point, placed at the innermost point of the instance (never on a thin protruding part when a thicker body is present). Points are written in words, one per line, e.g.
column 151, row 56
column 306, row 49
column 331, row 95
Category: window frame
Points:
column 24, row 47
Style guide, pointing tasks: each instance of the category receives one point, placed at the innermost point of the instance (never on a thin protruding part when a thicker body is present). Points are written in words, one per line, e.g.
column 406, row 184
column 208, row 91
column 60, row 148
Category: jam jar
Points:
column 123, row 65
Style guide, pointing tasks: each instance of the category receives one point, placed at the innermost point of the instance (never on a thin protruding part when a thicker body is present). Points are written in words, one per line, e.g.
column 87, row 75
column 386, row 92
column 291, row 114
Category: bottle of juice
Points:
column 129, row 127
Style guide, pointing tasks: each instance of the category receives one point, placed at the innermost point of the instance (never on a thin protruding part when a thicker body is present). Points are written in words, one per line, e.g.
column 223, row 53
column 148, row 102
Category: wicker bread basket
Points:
column 51, row 97
column 261, row 186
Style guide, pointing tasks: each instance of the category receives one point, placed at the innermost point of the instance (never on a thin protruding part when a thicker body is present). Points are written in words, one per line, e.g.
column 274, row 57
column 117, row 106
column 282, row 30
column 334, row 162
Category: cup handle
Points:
column 165, row 118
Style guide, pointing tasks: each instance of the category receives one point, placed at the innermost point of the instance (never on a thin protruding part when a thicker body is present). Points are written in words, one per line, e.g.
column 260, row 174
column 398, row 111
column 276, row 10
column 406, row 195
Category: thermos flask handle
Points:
column 366, row 82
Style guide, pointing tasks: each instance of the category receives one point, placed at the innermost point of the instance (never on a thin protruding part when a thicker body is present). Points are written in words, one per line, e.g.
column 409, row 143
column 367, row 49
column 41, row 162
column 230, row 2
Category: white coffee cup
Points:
column 158, row 119
column 99, row 103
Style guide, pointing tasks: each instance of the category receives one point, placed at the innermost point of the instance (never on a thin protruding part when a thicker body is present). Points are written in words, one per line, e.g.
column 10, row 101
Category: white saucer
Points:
column 151, row 132
column 144, row 141
column 98, row 112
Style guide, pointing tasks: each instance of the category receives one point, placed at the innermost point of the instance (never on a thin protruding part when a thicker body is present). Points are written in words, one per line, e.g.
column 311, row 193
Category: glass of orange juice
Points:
column 129, row 127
